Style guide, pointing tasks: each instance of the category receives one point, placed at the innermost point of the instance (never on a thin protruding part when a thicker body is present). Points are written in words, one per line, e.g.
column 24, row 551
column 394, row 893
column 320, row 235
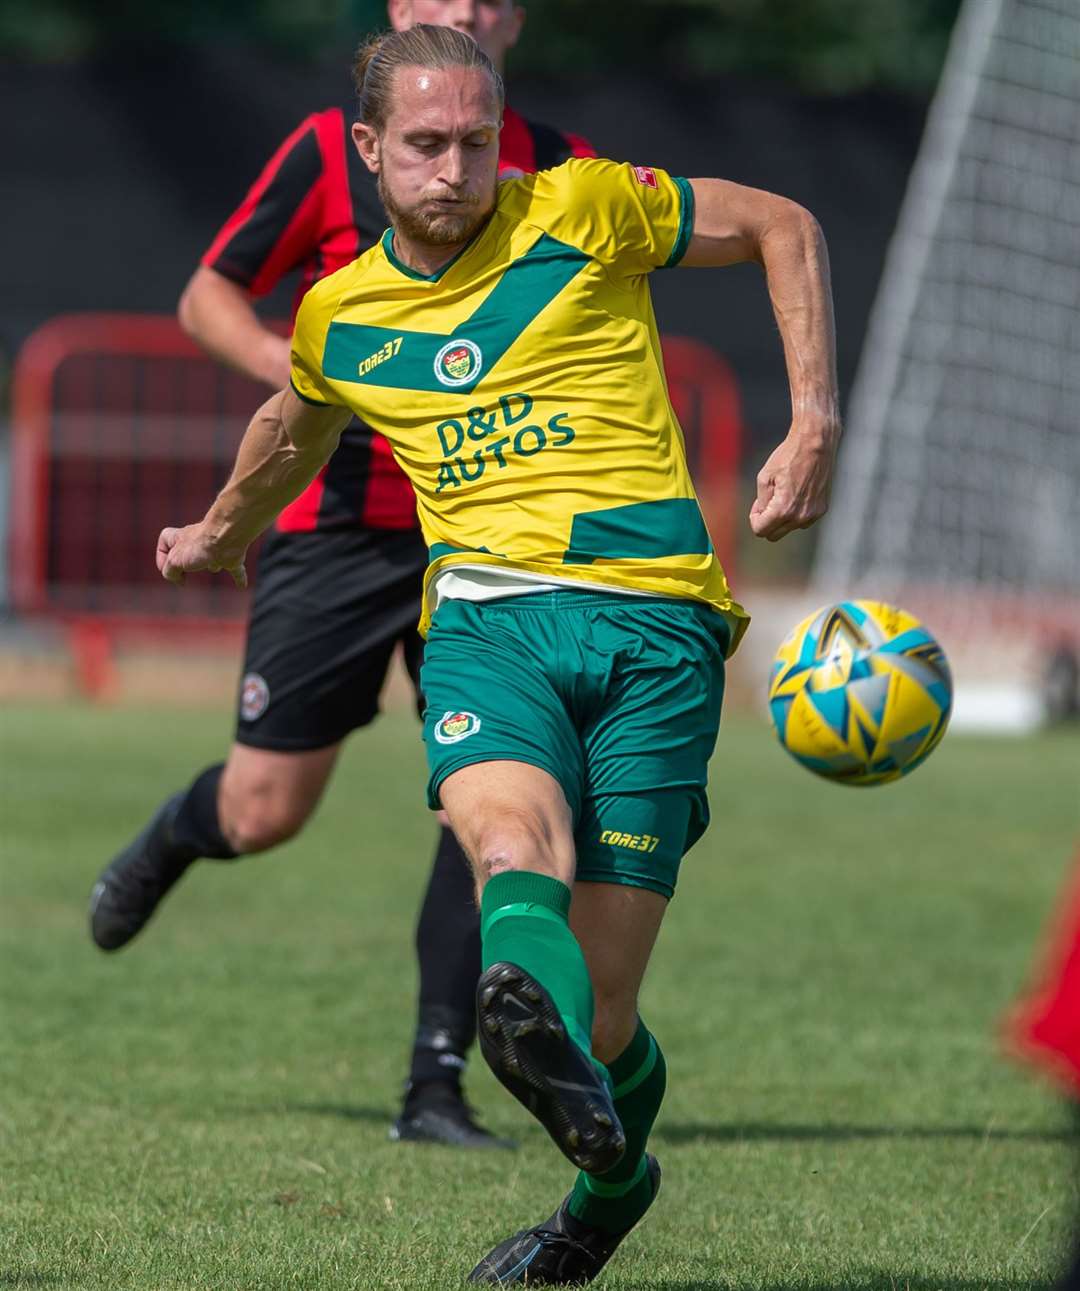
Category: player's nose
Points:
column 453, row 168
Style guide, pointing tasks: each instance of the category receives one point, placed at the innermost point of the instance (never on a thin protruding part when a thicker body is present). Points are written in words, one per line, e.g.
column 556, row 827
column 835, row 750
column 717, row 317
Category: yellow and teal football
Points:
column 860, row 693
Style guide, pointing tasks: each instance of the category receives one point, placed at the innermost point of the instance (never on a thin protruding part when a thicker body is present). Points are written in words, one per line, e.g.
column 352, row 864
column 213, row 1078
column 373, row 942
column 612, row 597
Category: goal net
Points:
column 958, row 490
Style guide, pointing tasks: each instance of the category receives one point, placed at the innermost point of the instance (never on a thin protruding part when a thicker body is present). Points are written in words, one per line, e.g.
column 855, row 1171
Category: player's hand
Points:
column 190, row 550
column 793, row 485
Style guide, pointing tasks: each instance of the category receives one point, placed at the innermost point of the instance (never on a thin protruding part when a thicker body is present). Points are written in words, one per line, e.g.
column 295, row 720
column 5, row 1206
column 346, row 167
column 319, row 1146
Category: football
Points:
column 860, row 693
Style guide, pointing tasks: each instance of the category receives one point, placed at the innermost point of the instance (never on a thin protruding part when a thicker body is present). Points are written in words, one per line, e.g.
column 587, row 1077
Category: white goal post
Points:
column 958, row 488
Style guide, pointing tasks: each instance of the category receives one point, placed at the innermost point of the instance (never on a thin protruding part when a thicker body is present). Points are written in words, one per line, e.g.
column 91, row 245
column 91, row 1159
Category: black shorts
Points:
column 328, row 611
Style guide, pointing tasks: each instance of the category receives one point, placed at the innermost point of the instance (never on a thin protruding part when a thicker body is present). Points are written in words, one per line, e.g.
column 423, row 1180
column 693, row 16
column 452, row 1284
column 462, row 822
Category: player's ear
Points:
column 400, row 14
column 366, row 139
column 519, row 22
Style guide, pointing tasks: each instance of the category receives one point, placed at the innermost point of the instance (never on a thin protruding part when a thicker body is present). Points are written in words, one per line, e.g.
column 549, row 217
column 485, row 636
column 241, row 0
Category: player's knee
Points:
column 516, row 839
column 255, row 822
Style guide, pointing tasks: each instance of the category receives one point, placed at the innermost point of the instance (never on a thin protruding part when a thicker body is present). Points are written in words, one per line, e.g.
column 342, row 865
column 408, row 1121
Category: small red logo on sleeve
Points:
column 646, row 175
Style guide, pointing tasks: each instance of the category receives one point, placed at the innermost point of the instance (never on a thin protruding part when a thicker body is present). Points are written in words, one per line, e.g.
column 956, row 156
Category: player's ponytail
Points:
column 362, row 60
column 424, row 45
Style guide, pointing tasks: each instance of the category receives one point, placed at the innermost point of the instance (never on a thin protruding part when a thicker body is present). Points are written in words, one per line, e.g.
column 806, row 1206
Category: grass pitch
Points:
column 208, row 1108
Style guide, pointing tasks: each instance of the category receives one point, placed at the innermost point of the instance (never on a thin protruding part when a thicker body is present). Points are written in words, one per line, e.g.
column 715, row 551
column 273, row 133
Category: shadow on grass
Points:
column 346, row 1111
column 867, row 1281
column 688, row 1132
column 756, row 1132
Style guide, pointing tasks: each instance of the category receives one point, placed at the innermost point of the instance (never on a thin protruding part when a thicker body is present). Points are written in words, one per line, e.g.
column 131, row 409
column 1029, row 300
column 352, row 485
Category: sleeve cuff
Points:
column 686, row 222
column 315, row 403
column 234, row 273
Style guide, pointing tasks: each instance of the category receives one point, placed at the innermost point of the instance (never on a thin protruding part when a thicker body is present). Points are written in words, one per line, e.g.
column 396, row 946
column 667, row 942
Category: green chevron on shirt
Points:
column 639, row 531
column 466, row 355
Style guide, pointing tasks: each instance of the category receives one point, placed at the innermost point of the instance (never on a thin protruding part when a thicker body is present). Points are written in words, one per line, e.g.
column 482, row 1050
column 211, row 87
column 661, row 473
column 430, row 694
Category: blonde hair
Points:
column 424, row 45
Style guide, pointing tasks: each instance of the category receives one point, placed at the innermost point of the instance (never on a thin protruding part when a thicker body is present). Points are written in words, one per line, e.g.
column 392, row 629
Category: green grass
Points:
column 208, row 1109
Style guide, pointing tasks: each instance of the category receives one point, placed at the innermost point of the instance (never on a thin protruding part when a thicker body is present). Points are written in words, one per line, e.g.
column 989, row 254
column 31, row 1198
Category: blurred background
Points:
column 937, row 148
column 210, row 1108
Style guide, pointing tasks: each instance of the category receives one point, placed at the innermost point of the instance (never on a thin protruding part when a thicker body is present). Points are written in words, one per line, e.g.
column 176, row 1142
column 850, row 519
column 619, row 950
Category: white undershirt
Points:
column 485, row 583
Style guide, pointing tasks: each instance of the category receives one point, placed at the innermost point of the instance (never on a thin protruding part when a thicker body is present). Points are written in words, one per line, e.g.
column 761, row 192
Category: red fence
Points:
column 122, row 425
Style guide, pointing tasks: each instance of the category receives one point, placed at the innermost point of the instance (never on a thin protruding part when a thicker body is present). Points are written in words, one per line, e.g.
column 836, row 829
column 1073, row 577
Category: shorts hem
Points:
column 299, row 744
column 436, row 780
column 626, row 881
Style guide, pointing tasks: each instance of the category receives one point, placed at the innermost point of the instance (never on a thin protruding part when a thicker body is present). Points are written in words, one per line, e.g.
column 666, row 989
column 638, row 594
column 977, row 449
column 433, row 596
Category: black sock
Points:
column 194, row 829
column 448, row 948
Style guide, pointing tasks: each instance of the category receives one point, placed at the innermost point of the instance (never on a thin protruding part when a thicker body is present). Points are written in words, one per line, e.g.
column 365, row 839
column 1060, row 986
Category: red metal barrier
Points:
column 119, row 422
column 705, row 396
column 122, row 424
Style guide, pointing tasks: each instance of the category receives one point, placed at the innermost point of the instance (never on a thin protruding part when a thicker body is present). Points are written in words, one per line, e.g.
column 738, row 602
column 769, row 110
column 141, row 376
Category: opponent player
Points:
column 339, row 581
column 503, row 339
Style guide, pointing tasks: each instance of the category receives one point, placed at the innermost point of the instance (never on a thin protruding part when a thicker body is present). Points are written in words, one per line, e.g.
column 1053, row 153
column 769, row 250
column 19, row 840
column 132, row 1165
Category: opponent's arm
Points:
column 218, row 315
column 275, row 228
column 734, row 224
column 287, row 442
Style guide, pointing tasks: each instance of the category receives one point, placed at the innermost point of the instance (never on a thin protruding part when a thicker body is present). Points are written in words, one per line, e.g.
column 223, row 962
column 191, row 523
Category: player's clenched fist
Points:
column 190, row 551
column 793, row 486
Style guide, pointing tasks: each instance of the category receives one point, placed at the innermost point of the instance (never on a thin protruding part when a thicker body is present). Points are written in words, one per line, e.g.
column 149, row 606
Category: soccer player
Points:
column 502, row 338
column 339, row 581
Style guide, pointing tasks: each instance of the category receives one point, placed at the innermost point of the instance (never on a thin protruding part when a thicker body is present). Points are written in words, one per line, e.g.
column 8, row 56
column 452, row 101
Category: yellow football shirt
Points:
column 521, row 387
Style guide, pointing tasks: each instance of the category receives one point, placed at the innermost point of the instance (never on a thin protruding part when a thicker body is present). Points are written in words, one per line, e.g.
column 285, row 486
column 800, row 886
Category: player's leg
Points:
column 254, row 801
column 448, row 957
column 534, row 999
column 264, row 797
column 318, row 644
column 646, row 747
column 616, row 927
column 250, row 803
column 506, row 764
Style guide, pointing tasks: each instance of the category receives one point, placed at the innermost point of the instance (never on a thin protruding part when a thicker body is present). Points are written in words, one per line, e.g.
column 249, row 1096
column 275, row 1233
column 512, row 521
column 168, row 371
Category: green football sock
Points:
column 523, row 920
column 617, row 1199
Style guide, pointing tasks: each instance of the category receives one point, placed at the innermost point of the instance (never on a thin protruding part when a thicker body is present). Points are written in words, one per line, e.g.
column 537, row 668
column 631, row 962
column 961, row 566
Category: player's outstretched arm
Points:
column 734, row 224
column 286, row 444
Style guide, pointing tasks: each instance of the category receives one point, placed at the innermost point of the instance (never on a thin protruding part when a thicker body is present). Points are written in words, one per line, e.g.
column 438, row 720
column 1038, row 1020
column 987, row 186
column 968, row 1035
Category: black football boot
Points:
column 526, row 1044
column 130, row 888
column 561, row 1252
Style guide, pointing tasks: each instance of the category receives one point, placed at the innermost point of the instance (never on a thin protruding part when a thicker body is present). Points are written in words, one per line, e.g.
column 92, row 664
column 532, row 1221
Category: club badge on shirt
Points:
column 452, row 727
column 458, row 362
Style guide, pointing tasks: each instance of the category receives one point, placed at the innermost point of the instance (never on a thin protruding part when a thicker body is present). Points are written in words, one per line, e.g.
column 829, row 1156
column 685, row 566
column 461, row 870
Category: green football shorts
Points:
column 617, row 697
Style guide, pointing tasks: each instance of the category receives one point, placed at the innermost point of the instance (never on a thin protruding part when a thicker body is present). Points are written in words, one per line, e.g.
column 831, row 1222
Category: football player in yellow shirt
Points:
column 577, row 620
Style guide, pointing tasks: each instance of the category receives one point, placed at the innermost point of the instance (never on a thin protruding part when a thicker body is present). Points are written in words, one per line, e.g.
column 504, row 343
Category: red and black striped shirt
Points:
column 315, row 208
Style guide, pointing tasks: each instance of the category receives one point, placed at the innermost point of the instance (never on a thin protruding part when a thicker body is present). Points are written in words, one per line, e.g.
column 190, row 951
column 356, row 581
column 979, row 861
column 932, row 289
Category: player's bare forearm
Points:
column 796, row 265
column 734, row 224
column 218, row 315
column 285, row 445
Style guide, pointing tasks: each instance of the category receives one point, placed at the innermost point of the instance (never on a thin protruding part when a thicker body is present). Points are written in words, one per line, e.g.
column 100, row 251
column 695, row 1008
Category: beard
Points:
column 432, row 226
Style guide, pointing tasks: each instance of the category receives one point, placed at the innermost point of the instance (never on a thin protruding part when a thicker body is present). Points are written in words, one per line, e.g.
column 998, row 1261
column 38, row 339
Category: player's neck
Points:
column 424, row 258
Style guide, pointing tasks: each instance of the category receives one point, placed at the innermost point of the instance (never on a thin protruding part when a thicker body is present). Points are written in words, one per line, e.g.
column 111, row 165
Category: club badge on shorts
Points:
column 254, row 697
column 458, row 362
column 452, row 727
